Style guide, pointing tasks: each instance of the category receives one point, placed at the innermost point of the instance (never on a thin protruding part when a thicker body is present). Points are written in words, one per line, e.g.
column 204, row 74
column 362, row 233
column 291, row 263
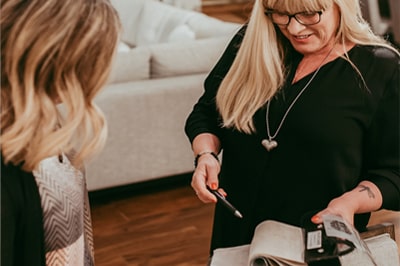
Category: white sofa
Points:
column 163, row 58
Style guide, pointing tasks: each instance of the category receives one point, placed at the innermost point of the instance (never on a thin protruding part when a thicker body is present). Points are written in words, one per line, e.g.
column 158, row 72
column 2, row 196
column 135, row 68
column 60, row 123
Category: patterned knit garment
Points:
column 66, row 213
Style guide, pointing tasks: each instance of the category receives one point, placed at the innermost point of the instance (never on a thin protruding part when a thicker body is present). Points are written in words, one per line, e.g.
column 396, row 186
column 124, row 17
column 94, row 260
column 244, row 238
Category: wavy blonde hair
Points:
column 258, row 71
column 54, row 51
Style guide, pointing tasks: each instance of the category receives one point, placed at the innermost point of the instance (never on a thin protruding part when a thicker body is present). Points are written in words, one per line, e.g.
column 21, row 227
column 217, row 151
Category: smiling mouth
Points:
column 302, row 36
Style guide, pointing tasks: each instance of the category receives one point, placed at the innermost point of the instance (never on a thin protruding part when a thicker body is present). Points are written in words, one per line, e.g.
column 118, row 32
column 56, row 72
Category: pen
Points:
column 226, row 203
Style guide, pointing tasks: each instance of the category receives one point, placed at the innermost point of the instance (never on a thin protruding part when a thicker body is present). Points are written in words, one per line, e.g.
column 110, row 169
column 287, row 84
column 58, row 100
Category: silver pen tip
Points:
column 238, row 214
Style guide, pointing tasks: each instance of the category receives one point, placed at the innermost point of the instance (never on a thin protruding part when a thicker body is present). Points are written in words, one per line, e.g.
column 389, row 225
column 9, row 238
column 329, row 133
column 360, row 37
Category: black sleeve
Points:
column 204, row 117
column 9, row 218
column 22, row 235
column 384, row 139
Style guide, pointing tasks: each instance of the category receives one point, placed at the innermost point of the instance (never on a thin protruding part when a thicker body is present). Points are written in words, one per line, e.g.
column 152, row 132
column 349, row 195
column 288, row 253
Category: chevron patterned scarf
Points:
column 66, row 213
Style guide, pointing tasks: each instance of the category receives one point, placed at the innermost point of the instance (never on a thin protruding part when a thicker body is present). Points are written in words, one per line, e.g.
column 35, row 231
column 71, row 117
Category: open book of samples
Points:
column 276, row 243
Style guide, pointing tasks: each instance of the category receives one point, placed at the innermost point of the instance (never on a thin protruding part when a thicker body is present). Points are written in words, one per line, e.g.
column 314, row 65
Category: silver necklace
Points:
column 271, row 143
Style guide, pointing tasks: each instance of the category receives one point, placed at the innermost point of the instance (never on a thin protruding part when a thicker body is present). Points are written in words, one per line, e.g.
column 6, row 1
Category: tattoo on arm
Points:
column 369, row 191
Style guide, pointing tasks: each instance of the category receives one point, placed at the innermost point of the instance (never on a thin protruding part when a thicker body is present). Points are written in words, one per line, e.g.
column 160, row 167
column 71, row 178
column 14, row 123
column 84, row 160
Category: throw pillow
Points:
column 190, row 57
column 157, row 22
column 181, row 33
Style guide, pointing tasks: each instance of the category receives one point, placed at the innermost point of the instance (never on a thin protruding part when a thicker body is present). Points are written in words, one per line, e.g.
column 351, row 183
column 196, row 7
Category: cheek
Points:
column 332, row 29
column 327, row 33
column 322, row 35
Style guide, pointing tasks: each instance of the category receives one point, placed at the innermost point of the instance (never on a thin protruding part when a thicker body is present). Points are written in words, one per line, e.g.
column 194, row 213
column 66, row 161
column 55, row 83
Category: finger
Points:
column 212, row 174
column 317, row 218
column 222, row 191
column 199, row 186
column 207, row 197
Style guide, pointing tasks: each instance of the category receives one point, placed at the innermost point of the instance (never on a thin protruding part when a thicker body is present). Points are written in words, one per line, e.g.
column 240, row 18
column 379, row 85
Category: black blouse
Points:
column 342, row 129
column 22, row 236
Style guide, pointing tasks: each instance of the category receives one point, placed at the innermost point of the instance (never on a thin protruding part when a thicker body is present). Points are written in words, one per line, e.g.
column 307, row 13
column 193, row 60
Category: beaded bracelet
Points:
column 196, row 159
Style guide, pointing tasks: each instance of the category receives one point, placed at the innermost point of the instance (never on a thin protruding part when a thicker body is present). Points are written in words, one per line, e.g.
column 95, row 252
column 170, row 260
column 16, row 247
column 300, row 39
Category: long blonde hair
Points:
column 258, row 71
column 54, row 51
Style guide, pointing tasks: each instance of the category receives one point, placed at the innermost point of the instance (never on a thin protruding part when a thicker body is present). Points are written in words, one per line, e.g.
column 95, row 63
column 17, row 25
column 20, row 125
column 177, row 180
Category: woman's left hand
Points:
column 340, row 206
column 366, row 197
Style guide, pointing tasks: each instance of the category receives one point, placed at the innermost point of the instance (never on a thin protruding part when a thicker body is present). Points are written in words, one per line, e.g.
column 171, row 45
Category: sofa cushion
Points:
column 181, row 33
column 174, row 59
column 123, row 47
column 157, row 22
column 206, row 27
column 130, row 12
column 130, row 65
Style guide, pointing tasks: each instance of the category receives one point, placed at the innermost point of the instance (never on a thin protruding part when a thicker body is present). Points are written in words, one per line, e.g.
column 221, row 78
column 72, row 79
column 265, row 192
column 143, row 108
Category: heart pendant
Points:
column 269, row 144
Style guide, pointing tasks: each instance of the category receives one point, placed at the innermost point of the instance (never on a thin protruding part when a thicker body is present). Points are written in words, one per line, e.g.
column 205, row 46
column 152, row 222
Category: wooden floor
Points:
column 238, row 11
column 168, row 226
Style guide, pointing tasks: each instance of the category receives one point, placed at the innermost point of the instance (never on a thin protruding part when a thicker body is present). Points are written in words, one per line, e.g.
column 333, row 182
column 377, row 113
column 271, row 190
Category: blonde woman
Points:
column 304, row 103
column 55, row 57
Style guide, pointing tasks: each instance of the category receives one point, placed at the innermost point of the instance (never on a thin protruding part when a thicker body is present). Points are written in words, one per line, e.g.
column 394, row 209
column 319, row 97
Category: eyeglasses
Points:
column 305, row 18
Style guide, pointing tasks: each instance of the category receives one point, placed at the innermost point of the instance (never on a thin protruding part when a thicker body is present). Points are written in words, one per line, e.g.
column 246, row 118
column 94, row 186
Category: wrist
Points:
column 351, row 201
column 197, row 157
column 366, row 197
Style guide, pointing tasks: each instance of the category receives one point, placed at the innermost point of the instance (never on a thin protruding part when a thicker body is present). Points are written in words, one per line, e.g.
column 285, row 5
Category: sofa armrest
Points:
column 130, row 64
column 146, row 139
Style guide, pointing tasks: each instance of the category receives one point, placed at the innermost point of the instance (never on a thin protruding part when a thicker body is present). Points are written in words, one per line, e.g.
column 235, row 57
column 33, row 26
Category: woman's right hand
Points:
column 206, row 174
column 207, row 168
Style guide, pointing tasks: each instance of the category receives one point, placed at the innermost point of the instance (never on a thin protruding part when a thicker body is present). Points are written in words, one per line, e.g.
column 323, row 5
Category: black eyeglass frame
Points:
column 270, row 12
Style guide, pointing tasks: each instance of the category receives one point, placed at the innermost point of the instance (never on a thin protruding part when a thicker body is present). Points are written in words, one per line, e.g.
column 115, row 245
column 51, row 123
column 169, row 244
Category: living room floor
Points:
column 162, row 224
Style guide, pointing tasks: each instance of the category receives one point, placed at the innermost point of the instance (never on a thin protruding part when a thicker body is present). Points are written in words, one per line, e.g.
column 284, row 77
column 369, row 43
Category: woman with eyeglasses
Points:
column 304, row 105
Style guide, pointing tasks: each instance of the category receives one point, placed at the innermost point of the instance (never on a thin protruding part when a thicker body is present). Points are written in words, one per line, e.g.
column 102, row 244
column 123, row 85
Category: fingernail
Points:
column 315, row 219
column 214, row 186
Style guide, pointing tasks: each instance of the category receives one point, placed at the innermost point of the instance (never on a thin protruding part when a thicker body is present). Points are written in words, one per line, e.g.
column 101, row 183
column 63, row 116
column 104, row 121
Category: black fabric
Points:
column 330, row 262
column 342, row 130
column 22, row 237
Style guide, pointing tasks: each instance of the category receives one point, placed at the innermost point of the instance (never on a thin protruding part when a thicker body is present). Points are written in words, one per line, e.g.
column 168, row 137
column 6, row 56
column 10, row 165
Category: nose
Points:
column 294, row 26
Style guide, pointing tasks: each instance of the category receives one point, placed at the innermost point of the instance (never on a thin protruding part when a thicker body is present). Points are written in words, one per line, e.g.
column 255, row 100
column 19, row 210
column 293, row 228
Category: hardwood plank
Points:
column 233, row 12
column 170, row 227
